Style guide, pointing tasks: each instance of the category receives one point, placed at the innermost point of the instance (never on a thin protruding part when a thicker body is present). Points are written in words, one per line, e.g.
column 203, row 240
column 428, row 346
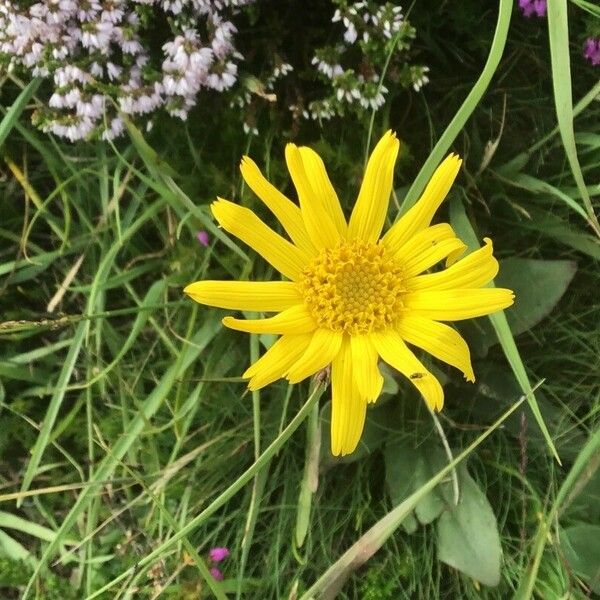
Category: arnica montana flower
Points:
column 352, row 297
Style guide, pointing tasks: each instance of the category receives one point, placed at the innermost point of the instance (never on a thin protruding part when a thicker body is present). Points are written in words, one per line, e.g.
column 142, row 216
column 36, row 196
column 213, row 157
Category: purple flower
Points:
column 531, row 7
column 216, row 573
column 204, row 240
column 218, row 554
column 591, row 50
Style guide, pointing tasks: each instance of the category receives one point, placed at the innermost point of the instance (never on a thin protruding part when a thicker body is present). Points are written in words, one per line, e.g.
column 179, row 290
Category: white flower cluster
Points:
column 351, row 68
column 100, row 64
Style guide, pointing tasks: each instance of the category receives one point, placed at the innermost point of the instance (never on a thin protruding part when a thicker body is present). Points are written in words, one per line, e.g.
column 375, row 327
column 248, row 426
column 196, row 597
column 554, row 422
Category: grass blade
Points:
column 331, row 582
column 558, row 33
column 467, row 108
column 53, row 407
column 14, row 112
column 463, row 227
column 586, row 463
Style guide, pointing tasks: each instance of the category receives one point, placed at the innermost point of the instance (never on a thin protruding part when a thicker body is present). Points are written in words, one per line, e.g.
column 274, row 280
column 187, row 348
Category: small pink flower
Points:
column 203, row 238
column 591, row 50
column 533, row 7
column 218, row 554
column 216, row 573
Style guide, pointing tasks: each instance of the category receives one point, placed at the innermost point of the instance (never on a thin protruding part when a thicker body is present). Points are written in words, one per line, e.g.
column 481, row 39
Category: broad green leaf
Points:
column 538, row 286
column 408, row 468
column 581, row 547
column 467, row 534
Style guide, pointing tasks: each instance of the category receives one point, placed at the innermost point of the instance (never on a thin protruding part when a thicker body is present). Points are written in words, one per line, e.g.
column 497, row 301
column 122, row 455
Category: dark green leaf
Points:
column 581, row 547
column 468, row 538
column 538, row 286
column 407, row 468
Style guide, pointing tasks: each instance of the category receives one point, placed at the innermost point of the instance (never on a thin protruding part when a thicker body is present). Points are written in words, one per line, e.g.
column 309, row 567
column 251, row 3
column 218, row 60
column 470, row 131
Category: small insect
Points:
column 417, row 375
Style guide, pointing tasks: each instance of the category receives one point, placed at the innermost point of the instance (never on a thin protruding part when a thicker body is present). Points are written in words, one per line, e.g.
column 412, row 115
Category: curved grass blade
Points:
column 467, row 108
column 17, row 107
column 558, row 33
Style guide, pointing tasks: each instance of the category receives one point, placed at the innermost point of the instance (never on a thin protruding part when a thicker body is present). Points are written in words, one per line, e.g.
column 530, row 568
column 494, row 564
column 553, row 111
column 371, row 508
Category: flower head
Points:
column 216, row 573
column 591, row 50
column 533, row 7
column 203, row 238
column 352, row 296
column 218, row 554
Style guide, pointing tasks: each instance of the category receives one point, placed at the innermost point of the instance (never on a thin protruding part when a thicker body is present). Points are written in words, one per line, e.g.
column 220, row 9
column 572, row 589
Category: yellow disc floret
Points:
column 355, row 287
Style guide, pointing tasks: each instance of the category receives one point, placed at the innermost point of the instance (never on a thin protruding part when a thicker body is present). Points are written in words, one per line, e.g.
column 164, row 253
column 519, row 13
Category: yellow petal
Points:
column 321, row 185
column 371, row 206
column 286, row 212
column 322, row 349
column 288, row 259
column 455, row 305
column 475, row 270
column 419, row 216
column 439, row 340
column 417, row 243
column 431, row 254
column 366, row 374
column 320, row 226
column 276, row 361
column 293, row 320
column 260, row 296
column 395, row 352
column 348, row 406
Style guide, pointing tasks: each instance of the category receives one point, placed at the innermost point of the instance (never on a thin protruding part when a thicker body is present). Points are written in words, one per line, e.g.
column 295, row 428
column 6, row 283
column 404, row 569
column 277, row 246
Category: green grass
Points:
column 129, row 446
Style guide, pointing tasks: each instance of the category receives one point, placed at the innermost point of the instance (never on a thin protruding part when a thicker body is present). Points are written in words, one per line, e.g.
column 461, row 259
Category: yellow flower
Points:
column 352, row 297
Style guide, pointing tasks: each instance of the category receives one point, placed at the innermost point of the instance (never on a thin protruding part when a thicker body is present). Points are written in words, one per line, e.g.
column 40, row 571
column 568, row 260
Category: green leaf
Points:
column 468, row 538
column 407, row 469
column 581, row 547
column 538, row 286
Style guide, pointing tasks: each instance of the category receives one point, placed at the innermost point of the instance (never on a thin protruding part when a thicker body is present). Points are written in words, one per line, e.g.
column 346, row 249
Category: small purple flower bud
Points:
column 203, row 238
column 218, row 554
column 216, row 573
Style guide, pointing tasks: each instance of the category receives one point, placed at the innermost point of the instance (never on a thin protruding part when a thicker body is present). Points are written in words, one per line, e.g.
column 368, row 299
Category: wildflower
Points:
column 591, row 50
column 218, row 554
column 531, row 7
column 203, row 238
column 350, row 296
column 216, row 573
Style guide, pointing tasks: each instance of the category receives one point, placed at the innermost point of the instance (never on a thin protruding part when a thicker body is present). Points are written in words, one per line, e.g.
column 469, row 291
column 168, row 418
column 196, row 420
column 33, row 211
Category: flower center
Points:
column 354, row 287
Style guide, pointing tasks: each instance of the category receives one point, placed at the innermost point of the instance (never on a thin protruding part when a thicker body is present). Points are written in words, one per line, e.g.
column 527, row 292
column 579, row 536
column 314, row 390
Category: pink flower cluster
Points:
column 95, row 53
column 216, row 555
column 533, row 7
column 591, row 50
